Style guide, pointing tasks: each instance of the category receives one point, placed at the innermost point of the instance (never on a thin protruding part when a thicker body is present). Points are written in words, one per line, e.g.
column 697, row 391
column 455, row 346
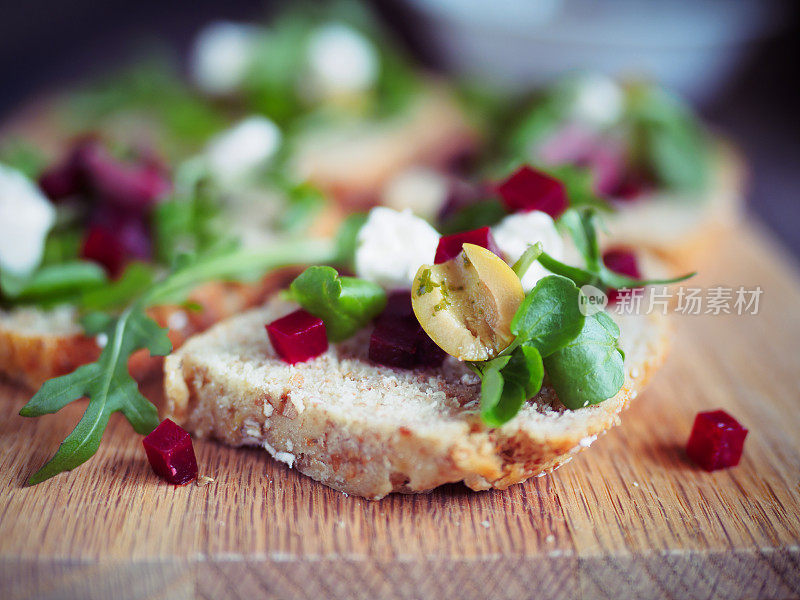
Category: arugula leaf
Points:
column 668, row 140
column 578, row 183
column 581, row 225
column 550, row 316
column 108, row 385
column 53, row 283
column 346, row 239
column 473, row 216
column 188, row 222
column 23, row 157
column 136, row 277
column 589, row 369
column 106, row 381
column 304, row 202
column 345, row 304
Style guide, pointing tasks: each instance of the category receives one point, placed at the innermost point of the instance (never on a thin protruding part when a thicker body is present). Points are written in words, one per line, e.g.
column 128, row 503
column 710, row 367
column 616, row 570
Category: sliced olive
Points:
column 467, row 303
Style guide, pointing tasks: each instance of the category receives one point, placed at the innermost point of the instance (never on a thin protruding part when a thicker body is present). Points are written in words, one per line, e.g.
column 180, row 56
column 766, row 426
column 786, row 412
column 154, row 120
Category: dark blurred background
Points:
column 749, row 89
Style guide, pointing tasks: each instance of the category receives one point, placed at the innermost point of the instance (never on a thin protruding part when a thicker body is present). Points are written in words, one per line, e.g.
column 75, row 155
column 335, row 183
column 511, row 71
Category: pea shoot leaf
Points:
column 345, row 304
column 589, row 369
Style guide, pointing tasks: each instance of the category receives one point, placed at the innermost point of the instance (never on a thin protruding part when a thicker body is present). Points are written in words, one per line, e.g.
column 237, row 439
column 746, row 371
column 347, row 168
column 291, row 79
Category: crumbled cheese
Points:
column 392, row 245
column 423, row 191
column 518, row 231
column 587, row 441
column 101, row 339
column 26, row 217
column 222, row 55
column 177, row 320
column 236, row 153
column 598, row 101
column 341, row 60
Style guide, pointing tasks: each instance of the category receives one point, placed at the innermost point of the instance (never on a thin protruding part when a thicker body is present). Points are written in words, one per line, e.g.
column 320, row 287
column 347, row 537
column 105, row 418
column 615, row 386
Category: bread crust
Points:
column 213, row 392
column 684, row 231
column 55, row 346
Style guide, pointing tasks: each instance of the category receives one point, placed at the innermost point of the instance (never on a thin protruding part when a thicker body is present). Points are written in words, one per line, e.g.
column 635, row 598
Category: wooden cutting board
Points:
column 632, row 518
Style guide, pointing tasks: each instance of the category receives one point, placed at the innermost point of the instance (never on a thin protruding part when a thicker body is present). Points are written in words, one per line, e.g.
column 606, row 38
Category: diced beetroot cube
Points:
column 624, row 262
column 398, row 305
column 716, row 441
column 61, row 181
column 527, row 190
column 128, row 187
column 394, row 343
column 298, row 337
column 398, row 339
column 450, row 245
column 429, row 355
column 113, row 240
column 171, row 454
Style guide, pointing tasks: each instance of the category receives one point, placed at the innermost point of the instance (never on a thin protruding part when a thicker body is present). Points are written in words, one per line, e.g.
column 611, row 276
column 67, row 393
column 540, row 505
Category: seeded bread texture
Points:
column 370, row 430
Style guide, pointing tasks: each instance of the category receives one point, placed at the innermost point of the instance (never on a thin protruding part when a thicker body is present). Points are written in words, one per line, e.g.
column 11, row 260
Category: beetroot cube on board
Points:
column 716, row 441
column 450, row 245
column 526, row 190
column 170, row 453
column 298, row 337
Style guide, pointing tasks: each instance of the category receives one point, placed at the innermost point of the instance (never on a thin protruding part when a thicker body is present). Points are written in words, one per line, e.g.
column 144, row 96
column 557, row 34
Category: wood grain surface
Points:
column 632, row 518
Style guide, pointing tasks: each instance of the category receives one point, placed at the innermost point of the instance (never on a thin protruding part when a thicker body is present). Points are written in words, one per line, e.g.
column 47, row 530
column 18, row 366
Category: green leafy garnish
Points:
column 346, row 239
column 581, row 226
column 550, row 315
column 588, row 369
column 108, row 385
column 507, row 382
column 106, row 381
column 53, row 284
column 548, row 320
column 345, row 304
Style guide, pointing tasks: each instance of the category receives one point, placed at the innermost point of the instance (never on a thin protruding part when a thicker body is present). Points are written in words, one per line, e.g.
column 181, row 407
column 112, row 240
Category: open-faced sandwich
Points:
column 665, row 183
column 475, row 357
column 97, row 229
column 674, row 184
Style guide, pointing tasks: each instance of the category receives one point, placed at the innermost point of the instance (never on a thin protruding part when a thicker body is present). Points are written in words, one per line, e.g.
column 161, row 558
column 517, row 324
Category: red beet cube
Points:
column 393, row 343
column 624, row 262
column 113, row 242
column 171, row 454
column 716, row 441
column 450, row 245
column 429, row 355
column 298, row 337
column 398, row 305
column 398, row 339
column 527, row 190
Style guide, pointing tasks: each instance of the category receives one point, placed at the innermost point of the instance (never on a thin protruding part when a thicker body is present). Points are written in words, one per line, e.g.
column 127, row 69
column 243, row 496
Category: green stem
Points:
column 531, row 254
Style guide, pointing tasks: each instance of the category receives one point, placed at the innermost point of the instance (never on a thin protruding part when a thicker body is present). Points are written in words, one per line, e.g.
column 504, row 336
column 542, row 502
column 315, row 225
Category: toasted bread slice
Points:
column 371, row 430
column 37, row 345
column 681, row 230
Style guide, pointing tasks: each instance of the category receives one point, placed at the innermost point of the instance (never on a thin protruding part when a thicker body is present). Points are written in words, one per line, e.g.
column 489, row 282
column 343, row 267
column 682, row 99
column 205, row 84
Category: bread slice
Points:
column 353, row 161
column 37, row 345
column 682, row 230
column 371, row 430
